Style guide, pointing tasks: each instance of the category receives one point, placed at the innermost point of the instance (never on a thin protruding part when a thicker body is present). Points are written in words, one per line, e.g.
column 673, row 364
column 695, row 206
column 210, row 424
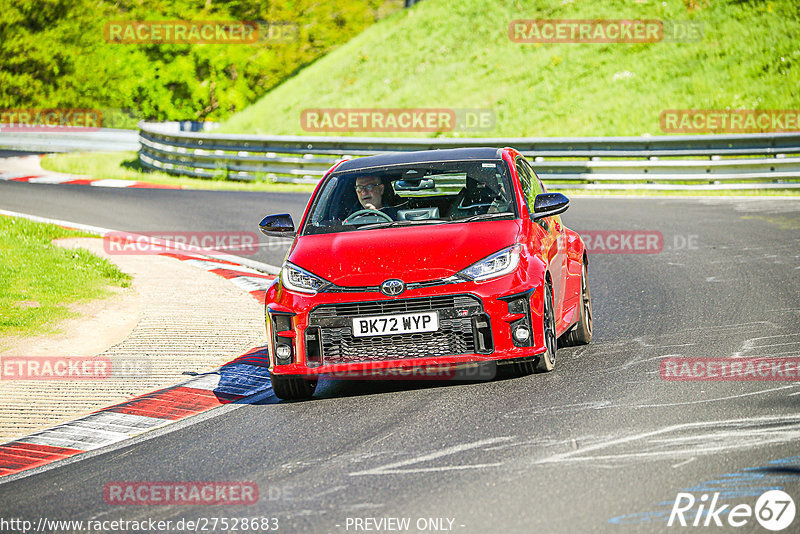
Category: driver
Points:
column 370, row 192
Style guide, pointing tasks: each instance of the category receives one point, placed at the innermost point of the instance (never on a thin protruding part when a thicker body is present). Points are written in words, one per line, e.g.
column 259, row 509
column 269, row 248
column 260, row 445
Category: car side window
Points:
column 531, row 186
column 526, row 182
column 536, row 182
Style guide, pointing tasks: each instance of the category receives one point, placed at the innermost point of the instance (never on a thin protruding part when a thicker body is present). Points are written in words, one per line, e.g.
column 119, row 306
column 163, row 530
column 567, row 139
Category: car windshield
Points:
column 411, row 195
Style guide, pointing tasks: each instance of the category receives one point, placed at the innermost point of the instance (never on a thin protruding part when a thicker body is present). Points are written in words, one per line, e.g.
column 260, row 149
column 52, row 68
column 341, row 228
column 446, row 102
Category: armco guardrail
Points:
column 102, row 140
column 763, row 158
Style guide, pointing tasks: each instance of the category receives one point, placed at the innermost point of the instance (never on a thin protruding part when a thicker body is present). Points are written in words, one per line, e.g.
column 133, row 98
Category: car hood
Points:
column 412, row 254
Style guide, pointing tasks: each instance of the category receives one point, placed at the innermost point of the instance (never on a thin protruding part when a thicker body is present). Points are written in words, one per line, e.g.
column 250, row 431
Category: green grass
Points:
column 125, row 166
column 38, row 279
column 458, row 55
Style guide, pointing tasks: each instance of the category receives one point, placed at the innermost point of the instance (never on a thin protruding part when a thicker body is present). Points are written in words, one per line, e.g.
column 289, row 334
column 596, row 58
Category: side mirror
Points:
column 549, row 204
column 277, row 225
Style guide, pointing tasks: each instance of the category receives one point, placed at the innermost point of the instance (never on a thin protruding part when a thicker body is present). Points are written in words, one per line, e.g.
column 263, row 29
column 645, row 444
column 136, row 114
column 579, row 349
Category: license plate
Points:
column 406, row 323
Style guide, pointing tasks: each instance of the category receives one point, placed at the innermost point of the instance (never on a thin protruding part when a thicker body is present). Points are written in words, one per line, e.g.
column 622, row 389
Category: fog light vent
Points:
column 313, row 346
column 482, row 330
column 282, row 322
column 519, row 305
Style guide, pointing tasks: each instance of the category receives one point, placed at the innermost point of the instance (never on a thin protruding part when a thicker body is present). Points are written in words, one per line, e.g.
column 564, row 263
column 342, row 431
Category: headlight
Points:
column 297, row 279
column 497, row 264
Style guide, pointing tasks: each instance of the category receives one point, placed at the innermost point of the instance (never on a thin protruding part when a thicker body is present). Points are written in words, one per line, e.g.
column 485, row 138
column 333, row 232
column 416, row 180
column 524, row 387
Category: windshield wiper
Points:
column 483, row 216
column 389, row 224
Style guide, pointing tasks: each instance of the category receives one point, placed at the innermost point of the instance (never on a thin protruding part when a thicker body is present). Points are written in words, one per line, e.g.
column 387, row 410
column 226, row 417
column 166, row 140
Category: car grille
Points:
column 455, row 335
column 382, row 307
column 376, row 289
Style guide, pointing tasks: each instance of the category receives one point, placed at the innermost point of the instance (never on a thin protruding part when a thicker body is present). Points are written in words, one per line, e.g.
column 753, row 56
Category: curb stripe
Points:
column 244, row 376
column 251, row 283
column 218, row 266
column 50, row 177
column 174, row 404
column 69, row 180
column 36, row 450
column 186, row 257
column 111, row 182
column 24, row 456
column 260, row 296
column 74, row 437
column 231, row 273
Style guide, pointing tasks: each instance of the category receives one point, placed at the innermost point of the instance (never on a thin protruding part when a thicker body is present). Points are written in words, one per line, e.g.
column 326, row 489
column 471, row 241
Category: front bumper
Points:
column 312, row 335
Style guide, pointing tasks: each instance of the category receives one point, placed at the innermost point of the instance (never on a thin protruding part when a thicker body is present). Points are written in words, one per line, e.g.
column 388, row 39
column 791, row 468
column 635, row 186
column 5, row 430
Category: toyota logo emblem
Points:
column 393, row 287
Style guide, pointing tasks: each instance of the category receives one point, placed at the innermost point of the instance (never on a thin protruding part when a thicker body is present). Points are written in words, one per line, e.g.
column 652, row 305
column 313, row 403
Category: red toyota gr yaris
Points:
column 440, row 259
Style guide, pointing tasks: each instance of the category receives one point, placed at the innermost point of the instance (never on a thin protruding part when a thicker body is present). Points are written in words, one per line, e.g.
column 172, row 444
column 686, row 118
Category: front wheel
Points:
column 581, row 333
column 293, row 387
column 547, row 361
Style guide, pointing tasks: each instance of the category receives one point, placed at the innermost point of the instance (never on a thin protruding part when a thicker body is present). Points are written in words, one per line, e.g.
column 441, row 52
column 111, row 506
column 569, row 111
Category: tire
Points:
column 546, row 362
column 581, row 333
column 292, row 387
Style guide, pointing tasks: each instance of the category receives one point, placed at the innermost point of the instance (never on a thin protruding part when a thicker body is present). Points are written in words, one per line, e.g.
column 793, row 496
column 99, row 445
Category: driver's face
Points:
column 370, row 193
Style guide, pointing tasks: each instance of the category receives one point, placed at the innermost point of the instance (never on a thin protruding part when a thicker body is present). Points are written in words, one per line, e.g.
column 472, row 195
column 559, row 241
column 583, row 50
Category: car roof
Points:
column 422, row 156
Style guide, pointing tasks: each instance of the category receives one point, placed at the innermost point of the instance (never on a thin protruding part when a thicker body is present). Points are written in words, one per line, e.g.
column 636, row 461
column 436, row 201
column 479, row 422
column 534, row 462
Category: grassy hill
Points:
column 457, row 54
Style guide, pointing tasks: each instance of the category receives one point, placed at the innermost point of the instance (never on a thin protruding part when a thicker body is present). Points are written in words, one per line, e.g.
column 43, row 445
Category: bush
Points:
column 53, row 54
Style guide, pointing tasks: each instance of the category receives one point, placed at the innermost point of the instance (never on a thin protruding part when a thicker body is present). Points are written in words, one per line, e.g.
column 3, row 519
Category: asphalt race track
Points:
column 602, row 444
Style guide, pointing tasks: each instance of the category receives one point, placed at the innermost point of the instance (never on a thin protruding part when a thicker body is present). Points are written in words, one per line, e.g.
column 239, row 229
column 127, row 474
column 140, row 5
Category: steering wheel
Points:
column 365, row 213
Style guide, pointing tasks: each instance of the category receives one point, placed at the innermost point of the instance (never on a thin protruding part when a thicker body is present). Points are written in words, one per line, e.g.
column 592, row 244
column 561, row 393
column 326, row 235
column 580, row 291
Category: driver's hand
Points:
column 370, row 206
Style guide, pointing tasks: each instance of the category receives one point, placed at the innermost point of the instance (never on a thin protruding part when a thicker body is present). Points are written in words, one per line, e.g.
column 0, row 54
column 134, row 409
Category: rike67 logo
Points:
column 774, row 510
